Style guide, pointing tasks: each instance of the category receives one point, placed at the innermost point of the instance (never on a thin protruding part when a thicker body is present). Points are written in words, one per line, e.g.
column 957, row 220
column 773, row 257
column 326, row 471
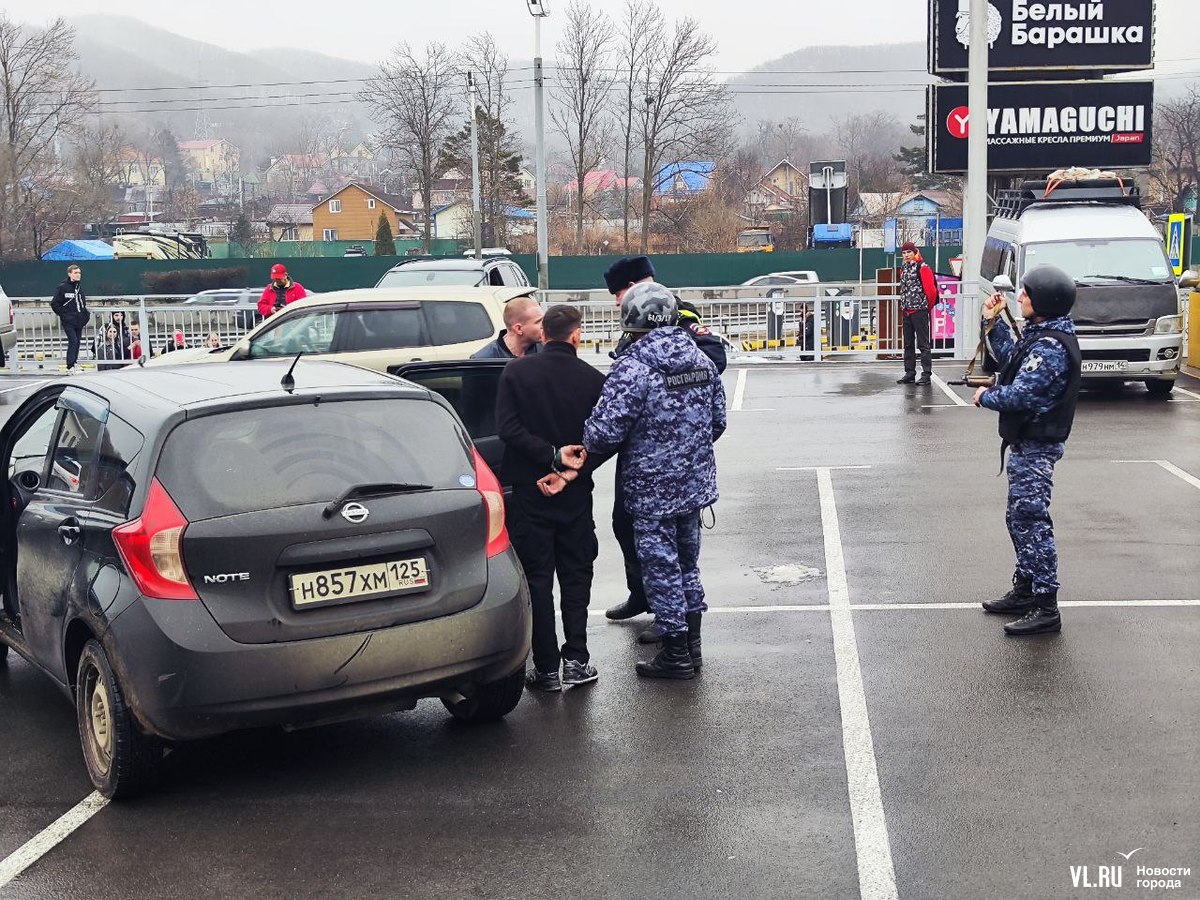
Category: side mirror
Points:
column 240, row 351
column 1002, row 284
column 1189, row 280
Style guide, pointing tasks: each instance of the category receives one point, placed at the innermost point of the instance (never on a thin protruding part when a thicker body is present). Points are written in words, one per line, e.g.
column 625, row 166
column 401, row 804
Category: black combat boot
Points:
column 1018, row 600
column 907, row 378
column 651, row 634
column 674, row 660
column 693, row 622
column 626, row 610
column 924, row 379
column 1042, row 619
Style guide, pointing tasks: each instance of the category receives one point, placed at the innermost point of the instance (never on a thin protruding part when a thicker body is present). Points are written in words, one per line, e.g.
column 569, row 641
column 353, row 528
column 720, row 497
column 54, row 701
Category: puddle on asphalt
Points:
column 787, row 576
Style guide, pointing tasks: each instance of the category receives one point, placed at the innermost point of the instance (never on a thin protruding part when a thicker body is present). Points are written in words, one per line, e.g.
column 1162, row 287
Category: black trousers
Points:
column 622, row 524
column 555, row 535
column 916, row 334
column 74, row 336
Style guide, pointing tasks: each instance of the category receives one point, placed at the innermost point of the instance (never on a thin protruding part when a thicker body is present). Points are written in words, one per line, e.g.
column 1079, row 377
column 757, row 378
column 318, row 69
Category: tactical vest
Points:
column 1053, row 425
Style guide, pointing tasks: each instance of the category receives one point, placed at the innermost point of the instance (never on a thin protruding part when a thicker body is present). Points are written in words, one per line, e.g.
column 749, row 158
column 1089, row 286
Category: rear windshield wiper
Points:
column 375, row 489
column 1128, row 279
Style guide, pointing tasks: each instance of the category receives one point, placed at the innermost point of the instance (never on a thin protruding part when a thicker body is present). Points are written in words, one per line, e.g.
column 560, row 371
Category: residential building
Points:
column 455, row 221
column 352, row 214
column 140, row 169
column 214, row 164
column 681, row 181
column 291, row 222
column 447, row 190
column 528, row 183
column 787, row 178
column 358, row 164
column 291, row 174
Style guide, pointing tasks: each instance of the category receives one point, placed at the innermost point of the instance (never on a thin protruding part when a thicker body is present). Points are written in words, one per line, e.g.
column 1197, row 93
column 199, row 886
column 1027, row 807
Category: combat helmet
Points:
column 647, row 306
column 1051, row 291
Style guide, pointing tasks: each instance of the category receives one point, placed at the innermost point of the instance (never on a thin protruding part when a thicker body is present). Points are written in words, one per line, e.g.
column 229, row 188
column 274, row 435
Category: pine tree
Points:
column 499, row 172
column 385, row 244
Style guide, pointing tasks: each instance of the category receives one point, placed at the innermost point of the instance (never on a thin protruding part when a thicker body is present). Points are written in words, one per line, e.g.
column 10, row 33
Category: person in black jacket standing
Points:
column 70, row 305
column 542, row 403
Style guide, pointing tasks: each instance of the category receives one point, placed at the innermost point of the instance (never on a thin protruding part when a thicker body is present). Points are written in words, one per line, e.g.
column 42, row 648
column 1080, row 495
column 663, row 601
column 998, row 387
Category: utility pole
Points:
column 475, row 190
column 975, row 207
column 537, row 8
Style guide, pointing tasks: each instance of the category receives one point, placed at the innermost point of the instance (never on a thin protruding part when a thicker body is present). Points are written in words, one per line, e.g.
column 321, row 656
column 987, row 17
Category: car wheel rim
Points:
column 100, row 721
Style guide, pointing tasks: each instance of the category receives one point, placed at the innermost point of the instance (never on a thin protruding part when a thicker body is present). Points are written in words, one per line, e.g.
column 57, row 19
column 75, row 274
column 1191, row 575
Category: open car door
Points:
column 470, row 387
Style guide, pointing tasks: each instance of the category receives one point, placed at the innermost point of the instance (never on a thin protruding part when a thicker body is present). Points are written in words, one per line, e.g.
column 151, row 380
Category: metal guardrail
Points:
column 812, row 321
column 42, row 344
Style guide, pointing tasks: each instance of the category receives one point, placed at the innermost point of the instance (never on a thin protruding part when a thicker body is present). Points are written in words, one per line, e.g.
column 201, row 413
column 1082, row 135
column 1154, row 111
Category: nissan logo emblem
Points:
column 355, row 513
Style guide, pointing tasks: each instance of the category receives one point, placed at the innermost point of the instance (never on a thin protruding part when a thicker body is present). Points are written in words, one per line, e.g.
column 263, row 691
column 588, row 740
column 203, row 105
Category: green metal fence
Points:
column 127, row 276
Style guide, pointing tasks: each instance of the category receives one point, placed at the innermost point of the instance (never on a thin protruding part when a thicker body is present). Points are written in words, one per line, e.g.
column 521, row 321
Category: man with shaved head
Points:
column 522, row 334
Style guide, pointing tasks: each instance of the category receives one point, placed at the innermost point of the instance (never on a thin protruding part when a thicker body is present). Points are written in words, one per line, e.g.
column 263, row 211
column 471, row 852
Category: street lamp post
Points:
column 537, row 9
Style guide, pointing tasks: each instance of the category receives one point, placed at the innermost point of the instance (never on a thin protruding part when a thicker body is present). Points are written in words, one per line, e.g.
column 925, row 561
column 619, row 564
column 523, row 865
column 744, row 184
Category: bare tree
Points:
column 1176, row 165
column 582, row 97
column 413, row 97
column 641, row 29
column 98, row 169
column 687, row 112
column 42, row 99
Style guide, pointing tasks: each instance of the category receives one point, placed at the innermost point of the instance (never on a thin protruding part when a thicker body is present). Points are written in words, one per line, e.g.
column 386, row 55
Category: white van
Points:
column 1127, row 313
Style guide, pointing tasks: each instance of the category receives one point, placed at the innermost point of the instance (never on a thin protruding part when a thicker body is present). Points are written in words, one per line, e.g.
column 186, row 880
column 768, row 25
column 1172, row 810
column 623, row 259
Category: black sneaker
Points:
column 924, row 379
column 578, row 672
column 543, row 681
column 907, row 379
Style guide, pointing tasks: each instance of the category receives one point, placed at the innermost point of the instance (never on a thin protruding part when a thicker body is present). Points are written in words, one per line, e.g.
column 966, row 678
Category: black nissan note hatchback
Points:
column 194, row 550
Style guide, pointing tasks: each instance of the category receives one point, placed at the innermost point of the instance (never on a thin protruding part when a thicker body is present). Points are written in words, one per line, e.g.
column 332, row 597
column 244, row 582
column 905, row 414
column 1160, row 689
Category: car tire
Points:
column 1160, row 387
column 491, row 702
column 121, row 760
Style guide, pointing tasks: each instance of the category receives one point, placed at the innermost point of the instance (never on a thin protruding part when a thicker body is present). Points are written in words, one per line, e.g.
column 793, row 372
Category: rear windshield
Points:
column 427, row 277
column 250, row 460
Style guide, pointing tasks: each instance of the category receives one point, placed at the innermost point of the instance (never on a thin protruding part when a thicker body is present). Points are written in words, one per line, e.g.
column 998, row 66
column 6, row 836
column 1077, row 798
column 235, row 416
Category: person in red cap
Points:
column 280, row 292
column 918, row 295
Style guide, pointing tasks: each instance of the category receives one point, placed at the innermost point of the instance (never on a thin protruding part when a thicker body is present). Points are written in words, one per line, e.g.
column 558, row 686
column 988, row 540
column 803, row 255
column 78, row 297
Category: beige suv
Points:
column 374, row 327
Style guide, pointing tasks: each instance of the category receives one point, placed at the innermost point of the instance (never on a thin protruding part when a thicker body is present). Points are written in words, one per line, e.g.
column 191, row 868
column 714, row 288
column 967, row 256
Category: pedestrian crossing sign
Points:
column 1177, row 235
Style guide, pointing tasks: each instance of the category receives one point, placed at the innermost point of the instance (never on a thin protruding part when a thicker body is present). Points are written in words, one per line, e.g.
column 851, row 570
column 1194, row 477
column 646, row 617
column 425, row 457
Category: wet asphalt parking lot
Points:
column 861, row 728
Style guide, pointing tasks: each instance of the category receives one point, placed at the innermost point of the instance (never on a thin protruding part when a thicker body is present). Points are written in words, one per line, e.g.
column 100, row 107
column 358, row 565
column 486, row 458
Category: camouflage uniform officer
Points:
column 619, row 278
column 663, row 405
column 1035, row 394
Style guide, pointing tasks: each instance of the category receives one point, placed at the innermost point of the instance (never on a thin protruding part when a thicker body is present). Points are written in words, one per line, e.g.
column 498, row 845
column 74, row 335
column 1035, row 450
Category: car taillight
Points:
column 493, row 504
column 150, row 547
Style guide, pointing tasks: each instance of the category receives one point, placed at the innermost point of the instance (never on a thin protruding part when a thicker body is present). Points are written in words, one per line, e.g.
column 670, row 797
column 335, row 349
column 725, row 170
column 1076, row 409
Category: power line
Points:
column 548, row 66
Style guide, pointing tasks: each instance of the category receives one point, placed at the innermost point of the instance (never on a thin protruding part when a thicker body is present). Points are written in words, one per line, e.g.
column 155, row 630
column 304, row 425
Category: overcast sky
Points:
column 365, row 30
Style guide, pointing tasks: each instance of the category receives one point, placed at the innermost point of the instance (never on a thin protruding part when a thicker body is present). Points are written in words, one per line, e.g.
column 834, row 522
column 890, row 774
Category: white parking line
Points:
column 1170, row 467
column 1191, row 394
column 945, row 389
column 50, row 837
column 739, row 391
column 876, row 874
column 929, row 607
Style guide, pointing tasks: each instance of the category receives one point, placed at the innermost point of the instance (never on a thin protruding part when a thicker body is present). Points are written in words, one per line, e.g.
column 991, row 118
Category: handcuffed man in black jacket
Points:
column 620, row 277
column 542, row 403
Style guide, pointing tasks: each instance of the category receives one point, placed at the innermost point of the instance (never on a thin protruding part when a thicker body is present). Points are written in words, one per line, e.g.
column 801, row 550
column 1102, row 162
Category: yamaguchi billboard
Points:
column 1042, row 126
column 1026, row 36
